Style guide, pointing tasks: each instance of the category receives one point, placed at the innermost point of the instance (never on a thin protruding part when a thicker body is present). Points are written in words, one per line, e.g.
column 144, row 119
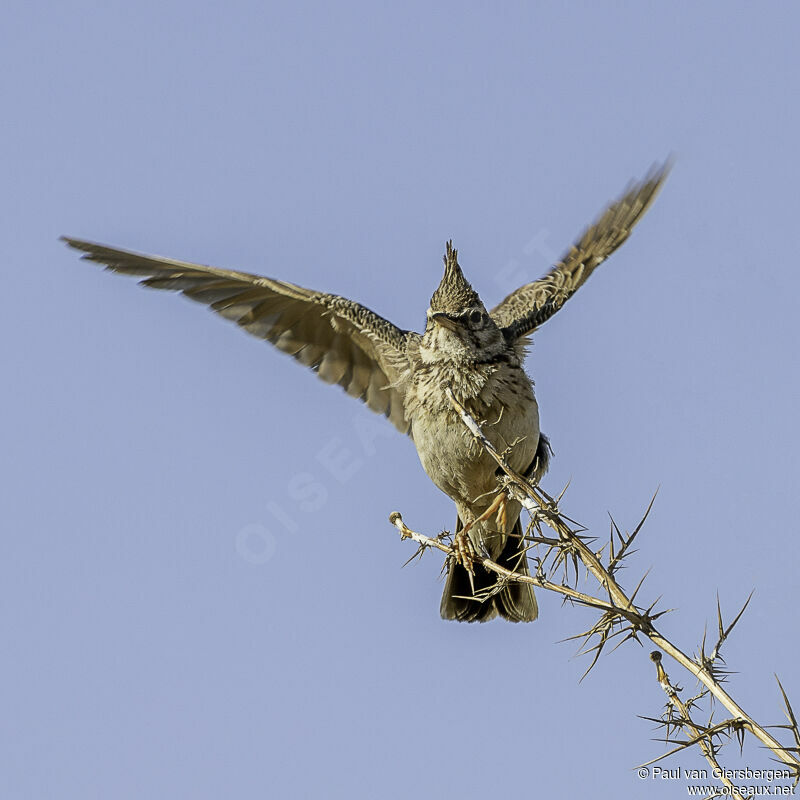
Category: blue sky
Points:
column 181, row 619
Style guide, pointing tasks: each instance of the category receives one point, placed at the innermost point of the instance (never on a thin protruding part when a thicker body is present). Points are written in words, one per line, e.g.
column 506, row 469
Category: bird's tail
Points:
column 515, row 602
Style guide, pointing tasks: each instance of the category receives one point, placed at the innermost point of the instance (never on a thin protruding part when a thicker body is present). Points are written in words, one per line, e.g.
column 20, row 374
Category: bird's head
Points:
column 458, row 326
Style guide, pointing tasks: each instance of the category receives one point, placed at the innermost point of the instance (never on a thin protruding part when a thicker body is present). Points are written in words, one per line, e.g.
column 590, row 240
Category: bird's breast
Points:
column 501, row 399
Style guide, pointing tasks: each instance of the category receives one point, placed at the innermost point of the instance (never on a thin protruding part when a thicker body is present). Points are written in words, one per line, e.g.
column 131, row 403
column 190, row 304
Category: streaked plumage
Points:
column 402, row 374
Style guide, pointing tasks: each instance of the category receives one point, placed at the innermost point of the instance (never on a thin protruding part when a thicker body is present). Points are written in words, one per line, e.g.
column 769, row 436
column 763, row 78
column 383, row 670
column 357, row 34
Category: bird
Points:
column 475, row 353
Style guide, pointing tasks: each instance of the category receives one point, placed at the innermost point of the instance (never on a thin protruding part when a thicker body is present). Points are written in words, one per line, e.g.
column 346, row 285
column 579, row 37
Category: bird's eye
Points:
column 476, row 317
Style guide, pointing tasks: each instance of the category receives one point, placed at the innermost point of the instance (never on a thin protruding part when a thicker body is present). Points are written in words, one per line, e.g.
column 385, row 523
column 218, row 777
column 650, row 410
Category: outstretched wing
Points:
column 533, row 304
column 342, row 341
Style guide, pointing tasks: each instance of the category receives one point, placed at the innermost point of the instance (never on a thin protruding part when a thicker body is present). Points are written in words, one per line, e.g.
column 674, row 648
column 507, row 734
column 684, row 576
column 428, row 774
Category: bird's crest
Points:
column 455, row 292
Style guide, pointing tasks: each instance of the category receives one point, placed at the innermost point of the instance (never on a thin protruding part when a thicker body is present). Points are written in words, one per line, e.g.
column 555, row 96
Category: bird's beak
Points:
column 445, row 320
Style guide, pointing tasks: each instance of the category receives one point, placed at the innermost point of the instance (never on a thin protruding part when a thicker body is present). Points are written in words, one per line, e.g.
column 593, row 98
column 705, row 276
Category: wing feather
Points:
column 344, row 342
column 533, row 304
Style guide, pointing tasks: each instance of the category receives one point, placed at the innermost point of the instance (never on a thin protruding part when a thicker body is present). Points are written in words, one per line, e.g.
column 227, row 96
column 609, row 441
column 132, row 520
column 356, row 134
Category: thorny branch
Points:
column 620, row 615
column 678, row 715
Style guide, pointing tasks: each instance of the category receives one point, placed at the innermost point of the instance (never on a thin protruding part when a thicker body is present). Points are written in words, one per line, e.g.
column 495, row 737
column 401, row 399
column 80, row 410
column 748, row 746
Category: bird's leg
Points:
column 465, row 553
column 498, row 506
column 502, row 505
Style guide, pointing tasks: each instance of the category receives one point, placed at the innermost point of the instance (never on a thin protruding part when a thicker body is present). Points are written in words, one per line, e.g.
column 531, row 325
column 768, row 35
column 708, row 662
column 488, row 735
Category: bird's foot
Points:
column 498, row 506
column 464, row 551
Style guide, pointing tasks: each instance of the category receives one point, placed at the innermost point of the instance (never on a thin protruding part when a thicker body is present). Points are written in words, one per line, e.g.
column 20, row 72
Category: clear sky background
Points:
column 177, row 618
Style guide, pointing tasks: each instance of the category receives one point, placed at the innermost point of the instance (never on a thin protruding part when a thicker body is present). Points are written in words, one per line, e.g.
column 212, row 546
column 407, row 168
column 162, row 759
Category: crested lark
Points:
column 403, row 375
